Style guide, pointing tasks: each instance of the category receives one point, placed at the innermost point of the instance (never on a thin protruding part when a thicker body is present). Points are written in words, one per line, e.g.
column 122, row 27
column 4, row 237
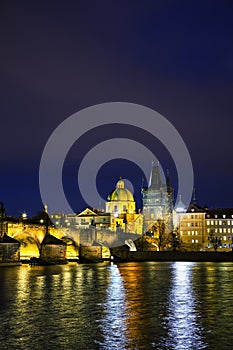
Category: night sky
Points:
column 58, row 57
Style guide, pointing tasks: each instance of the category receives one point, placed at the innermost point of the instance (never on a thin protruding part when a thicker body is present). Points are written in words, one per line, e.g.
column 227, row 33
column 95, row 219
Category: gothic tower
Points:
column 157, row 201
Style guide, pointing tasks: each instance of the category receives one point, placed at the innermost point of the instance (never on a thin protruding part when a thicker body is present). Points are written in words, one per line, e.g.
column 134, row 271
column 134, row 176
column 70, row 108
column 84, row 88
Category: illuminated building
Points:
column 121, row 206
column 219, row 228
column 190, row 224
column 157, row 201
column 85, row 219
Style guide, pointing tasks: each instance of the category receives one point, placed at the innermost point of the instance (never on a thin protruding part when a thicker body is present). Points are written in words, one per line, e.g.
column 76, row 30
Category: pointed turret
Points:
column 155, row 181
column 168, row 184
column 180, row 207
column 194, row 196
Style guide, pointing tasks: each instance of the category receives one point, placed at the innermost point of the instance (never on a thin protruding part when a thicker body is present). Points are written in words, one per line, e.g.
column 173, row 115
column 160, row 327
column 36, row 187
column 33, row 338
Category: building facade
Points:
column 157, row 201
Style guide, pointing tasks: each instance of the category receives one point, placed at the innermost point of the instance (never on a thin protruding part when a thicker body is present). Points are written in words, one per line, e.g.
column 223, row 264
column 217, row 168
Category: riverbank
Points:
column 126, row 255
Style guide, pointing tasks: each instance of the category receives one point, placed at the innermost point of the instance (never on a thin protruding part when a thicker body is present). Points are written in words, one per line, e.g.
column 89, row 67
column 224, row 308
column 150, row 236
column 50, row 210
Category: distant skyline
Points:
column 58, row 58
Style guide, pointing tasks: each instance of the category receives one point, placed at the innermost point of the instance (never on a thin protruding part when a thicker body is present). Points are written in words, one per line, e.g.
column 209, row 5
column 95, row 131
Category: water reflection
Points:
column 146, row 295
column 126, row 306
column 182, row 320
column 113, row 324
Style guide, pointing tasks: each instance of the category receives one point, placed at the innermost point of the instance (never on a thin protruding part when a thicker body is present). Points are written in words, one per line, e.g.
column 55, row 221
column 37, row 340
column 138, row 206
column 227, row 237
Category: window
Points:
column 215, row 216
column 212, row 222
column 196, row 240
column 220, row 222
column 188, row 224
column 193, row 240
column 208, row 222
column 224, row 216
column 228, row 222
column 220, row 230
column 224, row 238
column 188, row 232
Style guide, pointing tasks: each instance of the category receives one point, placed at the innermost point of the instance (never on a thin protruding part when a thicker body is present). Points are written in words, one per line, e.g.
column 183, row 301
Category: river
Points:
column 169, row 305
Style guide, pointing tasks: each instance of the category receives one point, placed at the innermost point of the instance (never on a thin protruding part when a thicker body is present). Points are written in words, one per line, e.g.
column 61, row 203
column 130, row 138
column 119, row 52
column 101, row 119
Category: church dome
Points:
column 120, row 193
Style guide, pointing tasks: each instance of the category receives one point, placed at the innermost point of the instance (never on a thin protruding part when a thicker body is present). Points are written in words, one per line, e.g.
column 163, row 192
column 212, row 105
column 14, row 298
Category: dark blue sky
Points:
column 58, row 57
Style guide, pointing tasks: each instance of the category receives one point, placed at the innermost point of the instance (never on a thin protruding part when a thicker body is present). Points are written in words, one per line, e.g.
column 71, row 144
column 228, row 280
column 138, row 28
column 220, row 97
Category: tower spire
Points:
column 155, row 177
column 194, row 195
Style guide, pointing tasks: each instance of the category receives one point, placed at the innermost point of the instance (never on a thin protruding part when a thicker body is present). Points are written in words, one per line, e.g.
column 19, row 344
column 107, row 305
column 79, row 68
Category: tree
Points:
column 175, row 239
column 158, row 231
column 215, row 240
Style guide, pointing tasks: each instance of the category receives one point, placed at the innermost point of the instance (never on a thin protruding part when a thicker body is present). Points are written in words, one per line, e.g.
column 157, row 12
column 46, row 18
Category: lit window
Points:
column 228, row 222
column 215, row 216
column 208, row 230
column 196, row 233
column 220, row 222
column 224, row 230
column 224, row 216
column 229, row 230
column 224, row 238
column 189, row 232
column 192, row 232
column 216, row 230
column 212, row 222
column 193, row 240
column 196, row 240
column 208, row 222
column 188, row 224
column 216, row 222
column 220, row 230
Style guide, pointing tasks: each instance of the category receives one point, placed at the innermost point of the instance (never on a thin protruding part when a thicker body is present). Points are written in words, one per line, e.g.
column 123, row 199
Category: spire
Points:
column 168, row 182
column 155, row 177
column 194, row 195
column 180, row 208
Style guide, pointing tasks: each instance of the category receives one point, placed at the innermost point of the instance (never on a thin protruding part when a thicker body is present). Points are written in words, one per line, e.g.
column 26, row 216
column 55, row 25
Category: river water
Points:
column 173, row 305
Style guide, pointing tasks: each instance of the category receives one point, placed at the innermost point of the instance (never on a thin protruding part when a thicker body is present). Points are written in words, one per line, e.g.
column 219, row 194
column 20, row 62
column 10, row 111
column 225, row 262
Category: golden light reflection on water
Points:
column 127, row 306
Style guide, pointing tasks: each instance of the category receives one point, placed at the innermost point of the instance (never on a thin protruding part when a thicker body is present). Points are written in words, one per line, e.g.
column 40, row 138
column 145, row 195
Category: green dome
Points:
column 120, row 194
